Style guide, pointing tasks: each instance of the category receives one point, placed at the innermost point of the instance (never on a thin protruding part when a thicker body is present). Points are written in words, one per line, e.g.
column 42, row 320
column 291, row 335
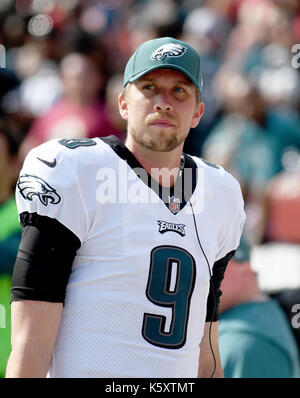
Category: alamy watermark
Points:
column 122, row 186
column 296, row 318
column 2, row 56
column 296, row 58
column 2, row 317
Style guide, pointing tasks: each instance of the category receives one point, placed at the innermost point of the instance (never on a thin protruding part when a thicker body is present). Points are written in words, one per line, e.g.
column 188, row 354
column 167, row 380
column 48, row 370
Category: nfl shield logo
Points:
column 174, row 204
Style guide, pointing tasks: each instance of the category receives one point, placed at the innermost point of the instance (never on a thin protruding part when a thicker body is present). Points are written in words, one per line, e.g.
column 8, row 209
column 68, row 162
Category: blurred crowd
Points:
column 61, row 71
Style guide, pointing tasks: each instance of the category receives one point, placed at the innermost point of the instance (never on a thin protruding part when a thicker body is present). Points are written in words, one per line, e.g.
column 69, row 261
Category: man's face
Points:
column 160, row 108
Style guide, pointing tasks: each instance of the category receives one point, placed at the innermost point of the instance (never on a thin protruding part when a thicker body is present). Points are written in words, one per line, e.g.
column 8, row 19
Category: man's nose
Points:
column 162, row 103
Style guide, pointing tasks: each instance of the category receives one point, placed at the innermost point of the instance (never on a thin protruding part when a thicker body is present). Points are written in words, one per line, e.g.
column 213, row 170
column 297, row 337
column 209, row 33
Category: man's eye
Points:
column 148, row 87
column 179, row 90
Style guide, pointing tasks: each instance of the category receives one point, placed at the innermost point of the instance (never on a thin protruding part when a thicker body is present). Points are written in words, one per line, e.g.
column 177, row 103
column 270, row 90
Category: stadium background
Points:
column 61, row 70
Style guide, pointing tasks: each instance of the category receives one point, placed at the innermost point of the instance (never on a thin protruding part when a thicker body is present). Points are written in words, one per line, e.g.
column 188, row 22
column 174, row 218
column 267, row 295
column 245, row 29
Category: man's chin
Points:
column 161, row 147
column 161, row 142
column 157, row 140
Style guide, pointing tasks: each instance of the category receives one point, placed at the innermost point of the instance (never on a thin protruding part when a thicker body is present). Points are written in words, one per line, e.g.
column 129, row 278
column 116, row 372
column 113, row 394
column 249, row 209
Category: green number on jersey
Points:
column 76, row 142
column 170, row 284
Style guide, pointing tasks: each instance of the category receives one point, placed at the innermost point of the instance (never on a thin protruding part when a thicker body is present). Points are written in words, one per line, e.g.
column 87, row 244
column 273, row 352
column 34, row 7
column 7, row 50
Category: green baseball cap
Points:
column 164, row 52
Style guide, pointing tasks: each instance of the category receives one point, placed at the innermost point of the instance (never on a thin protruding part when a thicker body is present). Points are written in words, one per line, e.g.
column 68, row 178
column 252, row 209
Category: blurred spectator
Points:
column 40, row 83
column 250, row 141
column 206, row 30
column 256, row 340
column 8, row 81
column 10, row 230
column 115, row 123
column 253, row 151
column 283, row 236
column 79, row 113
column 283, row 202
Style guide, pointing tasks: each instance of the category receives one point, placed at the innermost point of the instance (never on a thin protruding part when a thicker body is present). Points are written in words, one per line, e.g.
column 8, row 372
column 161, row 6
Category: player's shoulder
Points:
column 58, row 156
column 61, row 163
column 73, row 149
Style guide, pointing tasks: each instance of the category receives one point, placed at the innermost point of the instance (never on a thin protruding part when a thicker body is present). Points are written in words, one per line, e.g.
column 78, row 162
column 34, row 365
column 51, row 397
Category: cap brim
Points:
column 164, row 66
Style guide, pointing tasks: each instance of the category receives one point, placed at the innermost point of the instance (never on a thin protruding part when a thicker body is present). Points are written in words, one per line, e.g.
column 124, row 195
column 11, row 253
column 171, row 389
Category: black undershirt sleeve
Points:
column 213, row 300
column 44, row 260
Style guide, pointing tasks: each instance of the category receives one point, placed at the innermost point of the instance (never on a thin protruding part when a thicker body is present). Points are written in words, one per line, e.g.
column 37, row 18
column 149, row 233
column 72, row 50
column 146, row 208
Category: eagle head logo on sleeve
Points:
column 168, row 50
column 31, row 186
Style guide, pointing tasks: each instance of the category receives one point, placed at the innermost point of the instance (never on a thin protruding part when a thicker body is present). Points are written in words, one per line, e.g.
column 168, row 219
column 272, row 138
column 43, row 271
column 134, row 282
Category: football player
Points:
column 124, row 246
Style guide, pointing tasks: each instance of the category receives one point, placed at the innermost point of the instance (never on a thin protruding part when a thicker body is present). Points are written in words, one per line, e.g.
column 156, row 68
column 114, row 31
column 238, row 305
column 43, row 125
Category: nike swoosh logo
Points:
column 49, row 164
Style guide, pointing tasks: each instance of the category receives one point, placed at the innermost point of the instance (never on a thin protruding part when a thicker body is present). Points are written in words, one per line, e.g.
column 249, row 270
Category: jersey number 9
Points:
column 171, row 283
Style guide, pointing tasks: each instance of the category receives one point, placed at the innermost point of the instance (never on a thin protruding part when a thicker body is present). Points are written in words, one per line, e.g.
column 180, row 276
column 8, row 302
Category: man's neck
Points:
column 162, row 166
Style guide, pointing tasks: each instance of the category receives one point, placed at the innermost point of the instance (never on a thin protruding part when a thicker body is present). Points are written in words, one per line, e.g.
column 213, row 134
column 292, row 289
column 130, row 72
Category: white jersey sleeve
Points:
column 48, row 185
column 235, row 215
column 223, row 203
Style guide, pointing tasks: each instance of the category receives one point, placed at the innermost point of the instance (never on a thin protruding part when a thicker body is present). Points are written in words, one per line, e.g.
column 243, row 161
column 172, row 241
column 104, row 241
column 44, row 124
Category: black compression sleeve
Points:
column 213, row 300
column 43, row 265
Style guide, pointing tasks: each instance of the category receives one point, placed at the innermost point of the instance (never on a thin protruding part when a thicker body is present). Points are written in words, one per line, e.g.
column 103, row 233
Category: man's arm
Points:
column 209, row 352
column 34, row 327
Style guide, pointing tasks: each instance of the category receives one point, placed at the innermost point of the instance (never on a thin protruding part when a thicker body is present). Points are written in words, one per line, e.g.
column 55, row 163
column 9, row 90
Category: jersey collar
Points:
column 176, row 197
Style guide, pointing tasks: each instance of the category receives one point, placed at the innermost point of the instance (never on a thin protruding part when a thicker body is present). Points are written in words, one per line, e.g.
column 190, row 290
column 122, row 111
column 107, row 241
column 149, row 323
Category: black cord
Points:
column 212, row 289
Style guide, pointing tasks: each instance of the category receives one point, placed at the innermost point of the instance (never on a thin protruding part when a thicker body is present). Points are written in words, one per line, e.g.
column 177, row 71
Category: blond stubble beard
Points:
column 153, row 142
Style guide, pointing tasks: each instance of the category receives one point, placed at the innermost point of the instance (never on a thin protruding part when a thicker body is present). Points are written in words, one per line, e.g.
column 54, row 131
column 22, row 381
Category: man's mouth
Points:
column 162, row 123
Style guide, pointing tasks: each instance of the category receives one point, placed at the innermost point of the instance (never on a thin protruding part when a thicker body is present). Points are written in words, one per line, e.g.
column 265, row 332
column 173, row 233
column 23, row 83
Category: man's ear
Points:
column 197, row 115
column 123, row 109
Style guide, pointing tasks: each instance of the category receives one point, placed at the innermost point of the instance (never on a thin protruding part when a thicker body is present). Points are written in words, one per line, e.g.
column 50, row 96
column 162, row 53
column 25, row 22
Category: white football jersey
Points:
column 136, row 297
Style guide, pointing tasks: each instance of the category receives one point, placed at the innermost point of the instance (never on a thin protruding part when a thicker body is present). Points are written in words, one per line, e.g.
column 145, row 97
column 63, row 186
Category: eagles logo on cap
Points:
column 164, row 52
column 168, row 50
